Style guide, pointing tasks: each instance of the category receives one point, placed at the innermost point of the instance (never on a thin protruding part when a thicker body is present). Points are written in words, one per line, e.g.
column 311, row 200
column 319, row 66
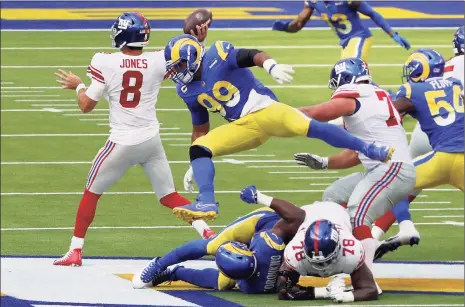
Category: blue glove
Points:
column 400, row 40
column 249, row 194
column 280, row 25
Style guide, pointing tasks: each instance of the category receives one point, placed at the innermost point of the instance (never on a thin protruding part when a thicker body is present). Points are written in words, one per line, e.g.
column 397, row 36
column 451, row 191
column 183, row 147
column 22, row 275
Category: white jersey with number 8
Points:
column 131, row 85
column 351, row 255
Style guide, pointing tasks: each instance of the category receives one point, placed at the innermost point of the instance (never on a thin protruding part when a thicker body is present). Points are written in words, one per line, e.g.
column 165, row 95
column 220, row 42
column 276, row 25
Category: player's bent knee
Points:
column 196, row 152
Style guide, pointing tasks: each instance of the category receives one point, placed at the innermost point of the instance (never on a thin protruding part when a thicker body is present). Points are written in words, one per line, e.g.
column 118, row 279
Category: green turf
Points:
column 439, row 242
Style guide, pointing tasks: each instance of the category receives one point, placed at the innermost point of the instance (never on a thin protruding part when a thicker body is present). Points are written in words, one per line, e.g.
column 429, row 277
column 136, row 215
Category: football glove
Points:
column 249, row 194
column 340, row 296
column 280, row 25
column 189, row 180
column 400, row 40
column 311, row 160
column 281, row 73
column 310, row 4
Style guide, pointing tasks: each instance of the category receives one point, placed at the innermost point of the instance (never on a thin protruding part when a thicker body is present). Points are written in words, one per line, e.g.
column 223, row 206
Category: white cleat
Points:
column 137, row 282
column 411, row 237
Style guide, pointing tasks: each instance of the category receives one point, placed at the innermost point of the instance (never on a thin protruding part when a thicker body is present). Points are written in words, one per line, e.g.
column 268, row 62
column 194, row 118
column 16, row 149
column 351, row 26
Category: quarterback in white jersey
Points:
column 129, row 80
column 369, row 114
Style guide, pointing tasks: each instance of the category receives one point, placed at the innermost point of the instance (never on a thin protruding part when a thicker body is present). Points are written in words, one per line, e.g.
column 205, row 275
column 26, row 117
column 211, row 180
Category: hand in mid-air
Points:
column 311, row 160
column 68, row 80
column 281, row 73
column 400, row 40
column 189, row 180
column 201, row 31
column 249, row 194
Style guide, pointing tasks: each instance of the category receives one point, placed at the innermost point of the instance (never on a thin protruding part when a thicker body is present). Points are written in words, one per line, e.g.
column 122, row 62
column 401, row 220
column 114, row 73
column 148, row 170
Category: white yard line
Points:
column 20, row 92
column 311, row 178
column 49, row 100
column 275, row 166
column 94, row 119
column 6, row 82
column 436, row 209
column 442, row 216
column 11, row 96
column 431, row 202
column 306, row 172
column 155, row 227
column 81, row 134
column 250, row 155
column 54, row 105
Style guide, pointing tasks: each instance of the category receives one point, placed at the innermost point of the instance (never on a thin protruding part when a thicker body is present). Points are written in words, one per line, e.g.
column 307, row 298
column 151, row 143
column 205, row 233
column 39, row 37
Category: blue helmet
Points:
column 183, row 56
column 130, row 29
column 347, row 71
column 422, row 64
column 458, row 41
column 321, row 244
column 235, row 260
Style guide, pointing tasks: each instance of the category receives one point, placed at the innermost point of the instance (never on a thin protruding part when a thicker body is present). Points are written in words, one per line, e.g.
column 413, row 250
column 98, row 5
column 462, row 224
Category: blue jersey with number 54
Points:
column 224, row 87
column 439, row 110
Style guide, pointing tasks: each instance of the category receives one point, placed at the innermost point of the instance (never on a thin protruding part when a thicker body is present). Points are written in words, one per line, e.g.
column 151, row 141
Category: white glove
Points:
column 337, row 290
column 281, row 73
column 336, row 282
column 189, row 180
column 311, row 160
column 341, row 296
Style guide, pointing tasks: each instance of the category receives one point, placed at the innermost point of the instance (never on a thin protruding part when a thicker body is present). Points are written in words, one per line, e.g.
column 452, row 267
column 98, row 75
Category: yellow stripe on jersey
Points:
column 408, row 90
column 271, row 243
column 219, row 47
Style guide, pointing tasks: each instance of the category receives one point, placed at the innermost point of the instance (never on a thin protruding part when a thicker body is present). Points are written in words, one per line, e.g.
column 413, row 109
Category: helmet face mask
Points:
column 322, row 245
column 183, row 56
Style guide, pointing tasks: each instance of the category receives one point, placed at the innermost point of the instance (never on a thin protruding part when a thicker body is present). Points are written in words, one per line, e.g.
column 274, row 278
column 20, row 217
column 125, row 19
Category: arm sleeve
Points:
column 244, row 57
column 95, row 73
column 199, row 114
column 367, row 10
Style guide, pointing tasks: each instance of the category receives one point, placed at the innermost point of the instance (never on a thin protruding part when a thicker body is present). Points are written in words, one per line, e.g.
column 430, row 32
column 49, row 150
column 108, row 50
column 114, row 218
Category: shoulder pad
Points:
column 272, row 240
column 353, row 91
column 222, row 48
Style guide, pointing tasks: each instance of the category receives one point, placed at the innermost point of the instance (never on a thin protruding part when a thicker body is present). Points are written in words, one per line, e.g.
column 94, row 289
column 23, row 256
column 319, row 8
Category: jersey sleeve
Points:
column 226, row 52
column 199, row 114
column 405, row 90
column 294, row 256
column 95, row 73
column 346, row 91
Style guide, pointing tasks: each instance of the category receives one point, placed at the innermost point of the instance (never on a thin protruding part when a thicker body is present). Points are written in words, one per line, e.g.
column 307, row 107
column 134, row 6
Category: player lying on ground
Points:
column 322, row 246
column 436, row 102
column 248, row 252
column 220, row 81
column 130, row 80
column 369, row 114
column 343, row 17
column 420, row 145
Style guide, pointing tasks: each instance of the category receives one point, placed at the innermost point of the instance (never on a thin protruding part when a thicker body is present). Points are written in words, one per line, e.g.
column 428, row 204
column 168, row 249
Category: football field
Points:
column 48, row 145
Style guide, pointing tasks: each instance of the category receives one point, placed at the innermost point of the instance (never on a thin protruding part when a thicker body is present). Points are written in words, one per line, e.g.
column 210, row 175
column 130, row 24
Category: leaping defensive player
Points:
column 343, row 17
column 369, row 114
column 130, row 81
column 219, row 81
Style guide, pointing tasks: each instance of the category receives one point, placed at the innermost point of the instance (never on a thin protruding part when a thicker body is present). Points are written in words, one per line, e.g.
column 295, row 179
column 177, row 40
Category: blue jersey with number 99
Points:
column 224, row 87
column 439, row 110
column 343, row 19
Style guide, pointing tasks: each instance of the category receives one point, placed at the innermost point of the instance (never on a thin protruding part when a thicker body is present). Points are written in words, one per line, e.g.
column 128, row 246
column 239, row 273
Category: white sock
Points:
column 377, row 232
column 200, row 226
column 369, row 245
column 76, row 243
column 407, row 226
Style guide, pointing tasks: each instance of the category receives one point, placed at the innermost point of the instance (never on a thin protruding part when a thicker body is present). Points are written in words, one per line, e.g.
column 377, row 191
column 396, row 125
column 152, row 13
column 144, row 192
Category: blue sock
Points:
column 206, row 278
column 189, row 251
column 401, row 211
column 335, row 136
column 204, row 175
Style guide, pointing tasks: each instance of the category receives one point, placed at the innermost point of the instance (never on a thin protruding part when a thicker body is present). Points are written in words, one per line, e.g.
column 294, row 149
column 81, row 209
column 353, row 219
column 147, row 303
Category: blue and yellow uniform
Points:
column 254, row 230
column 251, row 108
column 355, row 38
column 439, row 110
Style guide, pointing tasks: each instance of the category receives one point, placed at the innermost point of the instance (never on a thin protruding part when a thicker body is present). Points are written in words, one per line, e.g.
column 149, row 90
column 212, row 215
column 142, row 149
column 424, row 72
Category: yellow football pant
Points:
column 358, row 47
column 254, row 129
column 436, row 168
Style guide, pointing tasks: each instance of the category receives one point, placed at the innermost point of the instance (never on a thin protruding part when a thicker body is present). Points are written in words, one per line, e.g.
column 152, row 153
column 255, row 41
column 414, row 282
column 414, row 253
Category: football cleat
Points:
column 149, row 273
column 72, row 258
column 196, row 211
column 378, row 152
column 208, row 233
column 165, row 276
column 393, row 243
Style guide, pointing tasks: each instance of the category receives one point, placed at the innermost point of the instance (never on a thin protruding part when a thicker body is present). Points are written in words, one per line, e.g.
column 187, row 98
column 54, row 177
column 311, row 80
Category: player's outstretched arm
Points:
column 377, row 18
column 346, row 159
column 330, row 110
column 70, row 81
column 404, row 105
column 364, row 284
column 297, row 24
column 292, row 216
